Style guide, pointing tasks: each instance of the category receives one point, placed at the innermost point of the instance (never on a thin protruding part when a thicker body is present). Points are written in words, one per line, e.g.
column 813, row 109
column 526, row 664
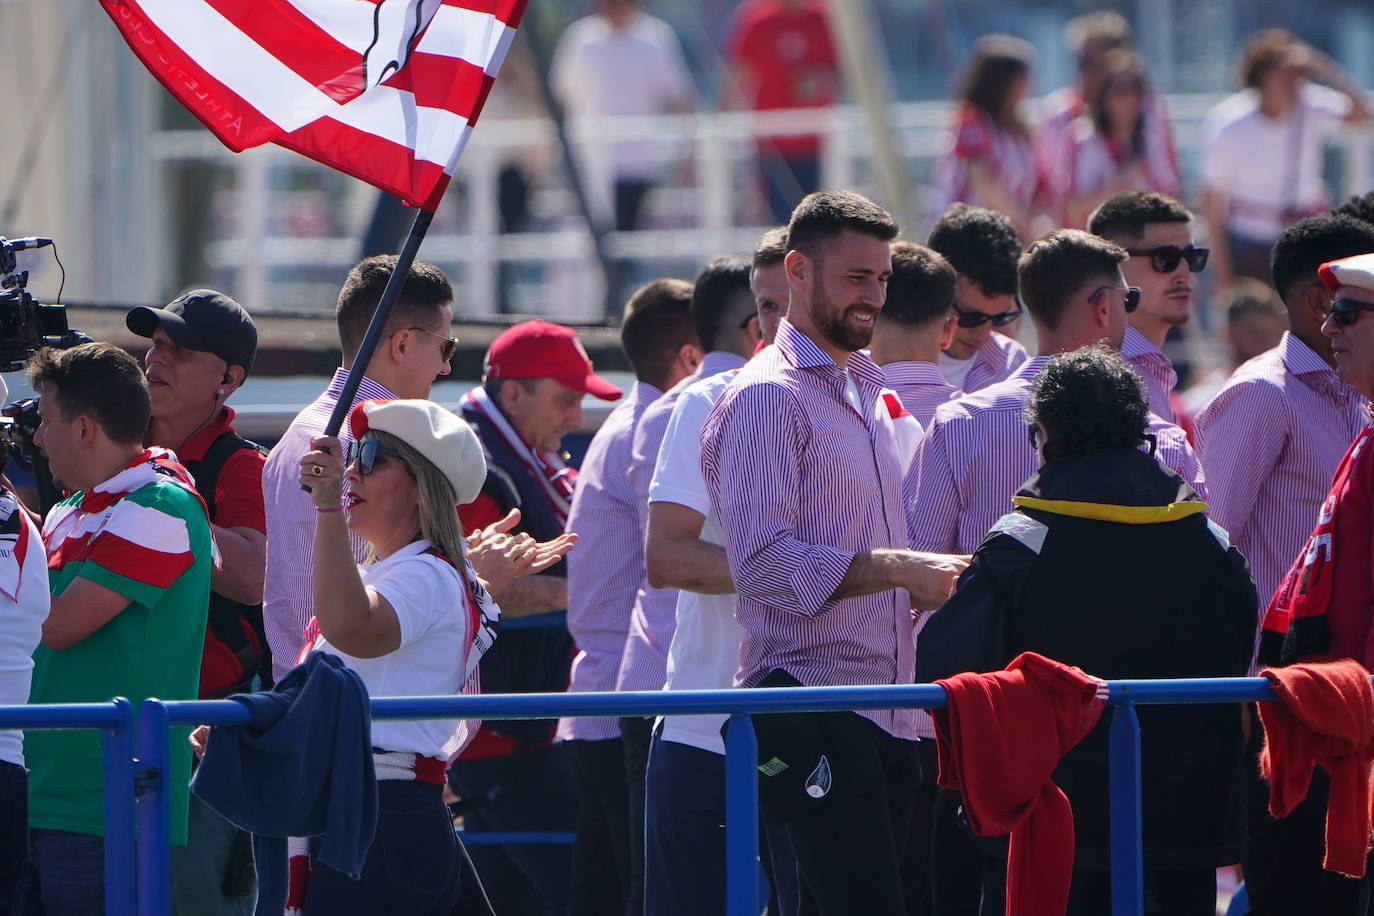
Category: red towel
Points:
column 999, row 741
column 1325, row 716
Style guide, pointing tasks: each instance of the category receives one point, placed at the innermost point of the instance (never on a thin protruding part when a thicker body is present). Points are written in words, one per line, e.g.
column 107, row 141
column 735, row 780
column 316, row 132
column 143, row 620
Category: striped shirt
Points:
column 994, row 361
column 1270, row 440
column 1154, row 370
column 606, row 569
column 976, row 454
column 287, row 602
column 921, row 386
column 801, row 483
column 644, row 662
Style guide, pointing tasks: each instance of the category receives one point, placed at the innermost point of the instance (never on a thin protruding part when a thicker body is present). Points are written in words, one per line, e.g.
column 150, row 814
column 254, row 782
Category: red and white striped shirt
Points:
column 606, row 569
column 1270, row 440
column 801, row 483
column 976, row 454
column 644, row 662
column 1154, row 369
column 994, row 361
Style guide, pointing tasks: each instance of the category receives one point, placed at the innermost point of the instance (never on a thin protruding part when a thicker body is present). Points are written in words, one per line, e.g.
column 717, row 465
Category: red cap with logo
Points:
column 541, row 349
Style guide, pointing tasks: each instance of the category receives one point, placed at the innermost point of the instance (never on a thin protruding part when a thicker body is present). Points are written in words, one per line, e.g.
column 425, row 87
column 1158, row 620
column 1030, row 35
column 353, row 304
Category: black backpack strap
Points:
column 206, row 470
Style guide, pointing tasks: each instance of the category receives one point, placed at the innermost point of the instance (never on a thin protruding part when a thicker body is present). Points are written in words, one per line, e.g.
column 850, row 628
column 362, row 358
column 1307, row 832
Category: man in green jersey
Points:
column 129, row 559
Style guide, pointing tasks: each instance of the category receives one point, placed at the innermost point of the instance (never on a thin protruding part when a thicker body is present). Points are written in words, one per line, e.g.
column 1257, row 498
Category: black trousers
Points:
column 849, row 848
column 601, row 852
column 14, row 832
column 916, row 865
column 635, row 734
column 1283, row 858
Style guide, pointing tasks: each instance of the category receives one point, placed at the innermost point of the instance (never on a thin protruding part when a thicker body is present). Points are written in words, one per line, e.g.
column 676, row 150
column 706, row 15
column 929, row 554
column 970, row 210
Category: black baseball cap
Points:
column 205, row 320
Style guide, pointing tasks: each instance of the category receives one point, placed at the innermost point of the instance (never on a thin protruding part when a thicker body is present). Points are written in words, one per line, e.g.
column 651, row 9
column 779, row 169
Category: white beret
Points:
column 437, row 433
column 1356, row 271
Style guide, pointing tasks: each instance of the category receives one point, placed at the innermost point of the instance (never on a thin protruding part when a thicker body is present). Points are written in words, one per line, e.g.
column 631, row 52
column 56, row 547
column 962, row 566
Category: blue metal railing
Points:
column 116, row 723
column 741, row 789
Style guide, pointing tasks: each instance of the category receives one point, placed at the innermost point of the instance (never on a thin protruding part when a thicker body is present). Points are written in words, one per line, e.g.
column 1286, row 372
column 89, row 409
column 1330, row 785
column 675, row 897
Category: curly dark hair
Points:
column 1310, row 243
column 1122, row 218
column 1361, row 207
column 1088, row 399
column 981, row 244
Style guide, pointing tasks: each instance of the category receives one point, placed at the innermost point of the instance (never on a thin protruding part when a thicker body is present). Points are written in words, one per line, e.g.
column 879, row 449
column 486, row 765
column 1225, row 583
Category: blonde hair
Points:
column 439, row 522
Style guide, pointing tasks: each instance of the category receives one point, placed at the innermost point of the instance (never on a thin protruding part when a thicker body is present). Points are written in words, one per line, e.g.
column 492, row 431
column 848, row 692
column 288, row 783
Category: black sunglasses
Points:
column 971, row 318
column 1165, row 258
column 1130, row 303
column 447, row 348
column 1346, row 312
column 365, row 452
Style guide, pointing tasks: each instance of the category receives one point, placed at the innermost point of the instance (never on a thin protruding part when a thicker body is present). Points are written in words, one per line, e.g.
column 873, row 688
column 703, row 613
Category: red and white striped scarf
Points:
column 549, row 468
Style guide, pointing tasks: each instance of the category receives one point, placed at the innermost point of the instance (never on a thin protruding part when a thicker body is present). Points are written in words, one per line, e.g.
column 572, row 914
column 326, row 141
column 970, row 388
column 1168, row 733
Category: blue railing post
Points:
column 154, row 810
column 1123, row 774
column 118, row 747
column 741, row 817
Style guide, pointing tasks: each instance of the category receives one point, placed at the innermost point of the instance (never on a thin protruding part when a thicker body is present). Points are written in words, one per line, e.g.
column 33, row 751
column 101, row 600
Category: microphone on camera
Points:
column 26, row 243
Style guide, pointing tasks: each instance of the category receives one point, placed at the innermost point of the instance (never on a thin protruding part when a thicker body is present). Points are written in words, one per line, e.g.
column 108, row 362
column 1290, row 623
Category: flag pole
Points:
column 390, row 294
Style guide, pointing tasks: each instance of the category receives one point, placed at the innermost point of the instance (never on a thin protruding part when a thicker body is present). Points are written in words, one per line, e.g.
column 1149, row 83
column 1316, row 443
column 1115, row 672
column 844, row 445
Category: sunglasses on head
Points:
column 1164, row 259
column 1346, row 312
column 972, row 318
column 365, row 452
column 1129, row 303
column 447, row 348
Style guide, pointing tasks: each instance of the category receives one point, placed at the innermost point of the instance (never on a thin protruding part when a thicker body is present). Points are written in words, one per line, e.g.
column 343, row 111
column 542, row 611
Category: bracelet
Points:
column 322, row 510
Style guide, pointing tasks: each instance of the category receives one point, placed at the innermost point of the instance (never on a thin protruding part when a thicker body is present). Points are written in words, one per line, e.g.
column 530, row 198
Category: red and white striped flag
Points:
column 385, row 90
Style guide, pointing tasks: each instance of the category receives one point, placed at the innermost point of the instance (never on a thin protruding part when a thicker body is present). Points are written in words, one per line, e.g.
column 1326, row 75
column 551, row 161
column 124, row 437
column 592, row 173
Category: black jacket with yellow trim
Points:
column 1109, row 563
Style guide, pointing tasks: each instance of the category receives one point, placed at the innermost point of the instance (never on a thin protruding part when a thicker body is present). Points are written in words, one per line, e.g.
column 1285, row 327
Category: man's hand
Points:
column 930, row 577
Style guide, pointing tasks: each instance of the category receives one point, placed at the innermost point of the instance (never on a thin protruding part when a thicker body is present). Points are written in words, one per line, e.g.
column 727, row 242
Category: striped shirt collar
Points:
column 801, row 351
column 1134, row 345
column 1300, row 359
column 913, row 372
column 1030, row 368
column 367, row 389
column 718, row 361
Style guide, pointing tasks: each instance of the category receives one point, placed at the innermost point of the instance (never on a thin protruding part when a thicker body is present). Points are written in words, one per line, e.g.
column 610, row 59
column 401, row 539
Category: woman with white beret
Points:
column 412, row 621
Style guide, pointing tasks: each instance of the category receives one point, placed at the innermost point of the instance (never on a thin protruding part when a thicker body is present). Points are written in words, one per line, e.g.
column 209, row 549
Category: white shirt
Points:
column 599, row 71
column 704, row 652
column 24, row 605
column 1264, row 165
column 427, row 595
column 955, row 370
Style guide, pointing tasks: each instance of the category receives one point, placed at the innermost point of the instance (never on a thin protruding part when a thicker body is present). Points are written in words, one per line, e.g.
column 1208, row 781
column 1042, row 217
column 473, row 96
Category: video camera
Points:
column 25, row 325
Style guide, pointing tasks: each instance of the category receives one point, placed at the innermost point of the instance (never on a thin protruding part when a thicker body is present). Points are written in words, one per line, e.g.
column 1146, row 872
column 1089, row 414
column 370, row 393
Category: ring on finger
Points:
column 316, row 470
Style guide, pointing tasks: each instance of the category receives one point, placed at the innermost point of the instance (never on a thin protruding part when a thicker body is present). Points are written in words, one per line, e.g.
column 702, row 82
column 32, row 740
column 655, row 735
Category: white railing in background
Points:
column 699, row 211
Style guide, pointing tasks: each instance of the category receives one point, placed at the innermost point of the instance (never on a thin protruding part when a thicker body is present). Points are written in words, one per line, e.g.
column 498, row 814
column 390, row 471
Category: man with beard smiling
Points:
column 801, row 466
column 1156, row 232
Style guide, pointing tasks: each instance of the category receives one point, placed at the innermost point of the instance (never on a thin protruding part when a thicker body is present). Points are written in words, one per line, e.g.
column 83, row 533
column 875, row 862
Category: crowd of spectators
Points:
column 847, row 458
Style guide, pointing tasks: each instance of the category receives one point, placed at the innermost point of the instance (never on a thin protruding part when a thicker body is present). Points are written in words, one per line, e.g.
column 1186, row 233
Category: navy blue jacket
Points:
column 302, row 768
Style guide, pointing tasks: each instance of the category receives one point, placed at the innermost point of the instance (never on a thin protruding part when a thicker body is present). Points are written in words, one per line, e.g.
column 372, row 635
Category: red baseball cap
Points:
column 542, row 349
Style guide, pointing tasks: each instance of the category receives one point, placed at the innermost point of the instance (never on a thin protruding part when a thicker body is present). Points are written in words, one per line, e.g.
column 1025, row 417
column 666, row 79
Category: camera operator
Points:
column 129, row 557
column 24, row 605
column 203, row 346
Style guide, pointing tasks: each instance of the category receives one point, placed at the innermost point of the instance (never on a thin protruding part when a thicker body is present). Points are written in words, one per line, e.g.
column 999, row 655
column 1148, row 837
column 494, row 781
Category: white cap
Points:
column 439, row 435
column 1357, row 271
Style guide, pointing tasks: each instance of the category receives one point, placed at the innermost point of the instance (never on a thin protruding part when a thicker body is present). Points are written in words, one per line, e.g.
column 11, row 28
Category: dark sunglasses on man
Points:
column 365, row 452
column 447, row 348
column 1164, row 259
column 972, row 318
column 1132, row 296
column 1346, row 312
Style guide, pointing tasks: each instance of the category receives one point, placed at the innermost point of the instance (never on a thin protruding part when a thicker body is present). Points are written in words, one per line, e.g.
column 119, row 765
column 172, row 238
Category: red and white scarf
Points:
column 548, row 468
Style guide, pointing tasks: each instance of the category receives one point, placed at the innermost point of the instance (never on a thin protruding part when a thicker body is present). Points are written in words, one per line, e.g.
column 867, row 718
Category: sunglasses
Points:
column 968, row 318
column 1346, row 312
column 1165, row 258
column 447, row 348
column 1130, row 303
column 365, row 452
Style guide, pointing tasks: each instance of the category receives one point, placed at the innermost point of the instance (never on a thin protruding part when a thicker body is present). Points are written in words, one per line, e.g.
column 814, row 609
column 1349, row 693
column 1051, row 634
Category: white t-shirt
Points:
column 955, row 370
column 599, row 71
column 1264, row 165
column 427, row 595
column 24, row 605
column 704, row 652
